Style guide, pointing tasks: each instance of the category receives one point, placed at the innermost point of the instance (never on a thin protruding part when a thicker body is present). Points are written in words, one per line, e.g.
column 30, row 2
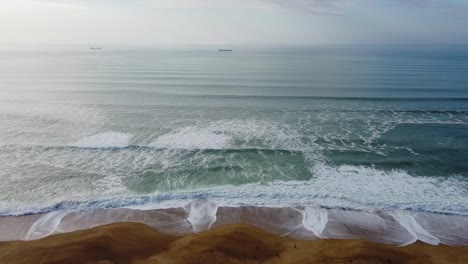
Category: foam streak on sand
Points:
column 231, row 244
column 308, row 223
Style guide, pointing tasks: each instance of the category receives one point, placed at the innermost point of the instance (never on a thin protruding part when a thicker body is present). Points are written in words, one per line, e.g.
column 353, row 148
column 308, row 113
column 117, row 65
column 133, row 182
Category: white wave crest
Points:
column 354, row 187
column 239, row 134
column 193, row 138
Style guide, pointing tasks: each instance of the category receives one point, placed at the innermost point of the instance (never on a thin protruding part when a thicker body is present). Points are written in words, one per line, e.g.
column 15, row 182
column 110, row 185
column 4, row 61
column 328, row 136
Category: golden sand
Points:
column 140, row 244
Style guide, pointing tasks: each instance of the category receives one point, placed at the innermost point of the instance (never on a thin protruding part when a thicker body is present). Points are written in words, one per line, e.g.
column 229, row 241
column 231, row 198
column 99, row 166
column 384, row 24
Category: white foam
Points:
column 202, row 214
column 369, row 188
column 315, row 220
column 233, row 134
column 354, row 187
column 172, row 221
column 45, row 225
column 407, row 220
column 449, row 229
column 193, row 138
column 374, row 226
column 108, row 139
column 296, row 222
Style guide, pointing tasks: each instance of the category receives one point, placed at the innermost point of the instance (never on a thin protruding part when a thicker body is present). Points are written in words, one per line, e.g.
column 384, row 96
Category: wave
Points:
column 333, row 98
column 352, row 187
column 207, row 150
column 266, row 97
column 104, row 140
column 189, row 138
column 233, row 134
column 223, row 134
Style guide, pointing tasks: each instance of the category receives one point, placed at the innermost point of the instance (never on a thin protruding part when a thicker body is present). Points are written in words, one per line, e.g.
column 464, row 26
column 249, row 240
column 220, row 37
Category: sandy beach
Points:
column 234, row 132
column 239, row 243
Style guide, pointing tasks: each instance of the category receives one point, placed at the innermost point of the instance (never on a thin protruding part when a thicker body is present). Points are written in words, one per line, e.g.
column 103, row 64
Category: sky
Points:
column 232, row 22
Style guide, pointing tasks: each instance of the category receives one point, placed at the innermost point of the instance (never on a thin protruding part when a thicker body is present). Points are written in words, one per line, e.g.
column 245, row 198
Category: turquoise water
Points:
column 370, row 128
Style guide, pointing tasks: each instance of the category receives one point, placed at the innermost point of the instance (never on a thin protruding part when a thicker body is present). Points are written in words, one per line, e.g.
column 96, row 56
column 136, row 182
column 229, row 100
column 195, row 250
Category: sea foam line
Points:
column 352, row 187
column 396, row 227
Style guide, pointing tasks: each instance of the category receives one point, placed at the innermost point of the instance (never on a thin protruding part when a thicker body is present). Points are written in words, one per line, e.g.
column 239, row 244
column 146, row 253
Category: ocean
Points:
column 324, row 133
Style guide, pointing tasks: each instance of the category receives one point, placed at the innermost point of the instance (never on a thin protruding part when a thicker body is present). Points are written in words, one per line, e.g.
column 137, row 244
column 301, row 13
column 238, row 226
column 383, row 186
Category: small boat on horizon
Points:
column 95, row 48
column 225, row 50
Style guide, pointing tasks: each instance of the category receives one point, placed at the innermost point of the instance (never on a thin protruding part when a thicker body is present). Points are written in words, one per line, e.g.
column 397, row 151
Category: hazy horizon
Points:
column 233, row 23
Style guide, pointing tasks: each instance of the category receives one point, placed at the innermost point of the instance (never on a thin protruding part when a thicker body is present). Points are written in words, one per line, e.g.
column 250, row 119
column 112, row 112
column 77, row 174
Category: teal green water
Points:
column 370, row 127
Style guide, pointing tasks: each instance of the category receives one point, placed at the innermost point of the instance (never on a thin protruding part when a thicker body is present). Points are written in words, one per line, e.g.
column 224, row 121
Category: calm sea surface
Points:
column 363, row 128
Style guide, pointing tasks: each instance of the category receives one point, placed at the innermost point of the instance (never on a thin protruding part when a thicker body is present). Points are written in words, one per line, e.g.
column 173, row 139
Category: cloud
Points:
column 69, row 4
column 321, row 7
column 329, row 7
column 207, row 3
column 336, row 7
column 445, row 6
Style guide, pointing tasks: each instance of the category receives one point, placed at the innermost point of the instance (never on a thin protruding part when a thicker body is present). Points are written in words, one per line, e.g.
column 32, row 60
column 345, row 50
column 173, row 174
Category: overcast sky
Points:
column 233, row 22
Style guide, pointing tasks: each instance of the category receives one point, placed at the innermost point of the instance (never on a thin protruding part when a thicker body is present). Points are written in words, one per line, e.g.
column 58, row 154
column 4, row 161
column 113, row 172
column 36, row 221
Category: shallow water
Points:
column 377, row 128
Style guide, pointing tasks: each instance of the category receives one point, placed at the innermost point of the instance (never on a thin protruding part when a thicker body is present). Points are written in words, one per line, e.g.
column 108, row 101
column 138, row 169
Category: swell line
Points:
column 155, row 148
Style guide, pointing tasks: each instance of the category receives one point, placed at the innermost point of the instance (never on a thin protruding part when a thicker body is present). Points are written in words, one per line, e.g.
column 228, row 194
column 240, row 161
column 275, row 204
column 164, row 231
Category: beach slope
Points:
column 140, row 244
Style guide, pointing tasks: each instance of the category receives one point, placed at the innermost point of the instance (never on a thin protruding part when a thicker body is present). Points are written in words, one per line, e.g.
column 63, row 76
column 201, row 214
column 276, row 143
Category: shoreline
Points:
column 234, row 243
column 392, row 227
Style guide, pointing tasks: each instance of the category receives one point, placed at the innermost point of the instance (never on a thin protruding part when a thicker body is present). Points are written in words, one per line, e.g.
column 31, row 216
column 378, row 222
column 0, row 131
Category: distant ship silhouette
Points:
column 94, row 48
column 225, row 49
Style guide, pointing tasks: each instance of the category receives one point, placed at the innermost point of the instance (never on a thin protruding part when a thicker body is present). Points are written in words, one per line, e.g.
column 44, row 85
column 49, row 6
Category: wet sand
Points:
column 139, row 244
